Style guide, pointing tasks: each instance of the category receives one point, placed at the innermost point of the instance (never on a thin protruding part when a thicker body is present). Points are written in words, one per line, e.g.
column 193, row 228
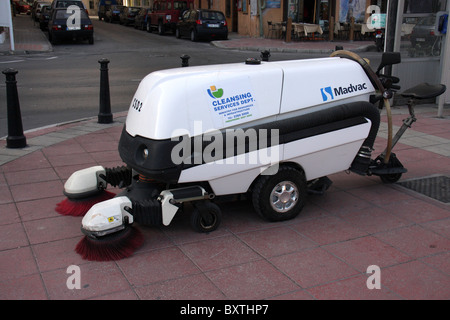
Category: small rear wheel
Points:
column 206, row 217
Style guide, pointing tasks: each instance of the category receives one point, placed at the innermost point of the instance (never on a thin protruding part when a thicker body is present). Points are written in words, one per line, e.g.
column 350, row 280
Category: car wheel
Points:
column 177, row 33
column 193, row 35
column 281, row 196
column 91, row 40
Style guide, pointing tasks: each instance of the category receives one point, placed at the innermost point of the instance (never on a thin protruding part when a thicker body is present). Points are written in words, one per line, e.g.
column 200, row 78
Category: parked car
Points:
column 58, row 28
column 423, row 31
column 103, row 6
column 36, row 9
column 22, row 7
column 165, row 14
column 128, row 15
column 140, row 22
column 202, row 24
column 44, row 17
column 60, row 4
column 113, row 13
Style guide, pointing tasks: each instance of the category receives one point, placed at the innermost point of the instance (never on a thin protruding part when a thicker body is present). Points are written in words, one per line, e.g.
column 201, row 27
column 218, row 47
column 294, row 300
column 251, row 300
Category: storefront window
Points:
column 306, row 11
column 419, row 35
column 352, row 8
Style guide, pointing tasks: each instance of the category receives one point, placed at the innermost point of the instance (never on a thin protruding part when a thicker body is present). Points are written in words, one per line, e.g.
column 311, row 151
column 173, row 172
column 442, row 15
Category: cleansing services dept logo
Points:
column 215, row 93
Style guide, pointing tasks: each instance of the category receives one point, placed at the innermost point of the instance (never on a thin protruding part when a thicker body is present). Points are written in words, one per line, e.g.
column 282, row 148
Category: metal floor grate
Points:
column 434, row 187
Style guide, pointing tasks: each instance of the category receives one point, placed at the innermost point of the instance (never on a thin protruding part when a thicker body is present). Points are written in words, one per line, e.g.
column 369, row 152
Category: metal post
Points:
column 15, row 138
column 265, row 55
column 445, row 70
column 105, row 115
column 185, row 60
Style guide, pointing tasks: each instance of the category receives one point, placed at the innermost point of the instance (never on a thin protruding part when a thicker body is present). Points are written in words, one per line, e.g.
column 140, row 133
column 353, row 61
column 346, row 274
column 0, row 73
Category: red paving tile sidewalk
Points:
column 322, row 254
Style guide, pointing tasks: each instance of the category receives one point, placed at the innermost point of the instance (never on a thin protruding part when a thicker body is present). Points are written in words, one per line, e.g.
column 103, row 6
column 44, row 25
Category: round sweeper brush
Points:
column 79, row 207
column 114, row 246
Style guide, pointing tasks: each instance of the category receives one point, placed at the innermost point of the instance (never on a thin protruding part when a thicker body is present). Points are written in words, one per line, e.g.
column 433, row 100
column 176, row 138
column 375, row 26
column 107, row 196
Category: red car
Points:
column 22, row 7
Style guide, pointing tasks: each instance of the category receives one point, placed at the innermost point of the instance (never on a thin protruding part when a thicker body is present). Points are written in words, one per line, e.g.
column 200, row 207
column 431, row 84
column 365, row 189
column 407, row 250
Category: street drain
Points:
column 437, row 187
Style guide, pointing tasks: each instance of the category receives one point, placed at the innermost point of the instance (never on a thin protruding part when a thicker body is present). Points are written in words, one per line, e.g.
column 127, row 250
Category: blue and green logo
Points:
column 215, row 93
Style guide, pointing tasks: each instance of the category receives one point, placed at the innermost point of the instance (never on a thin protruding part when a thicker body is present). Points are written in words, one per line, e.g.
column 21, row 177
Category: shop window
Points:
column 419, row 36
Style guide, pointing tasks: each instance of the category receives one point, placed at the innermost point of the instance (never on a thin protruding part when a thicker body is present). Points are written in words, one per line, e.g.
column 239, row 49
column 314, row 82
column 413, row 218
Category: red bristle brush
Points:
column 116, row 246
column 79, row 207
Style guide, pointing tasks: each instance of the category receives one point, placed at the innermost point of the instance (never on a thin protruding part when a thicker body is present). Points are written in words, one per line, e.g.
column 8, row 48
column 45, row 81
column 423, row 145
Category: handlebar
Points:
column 388, row 82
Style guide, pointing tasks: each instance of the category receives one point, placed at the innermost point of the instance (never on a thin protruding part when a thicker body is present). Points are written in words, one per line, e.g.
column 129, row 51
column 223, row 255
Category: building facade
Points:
column 252, row 17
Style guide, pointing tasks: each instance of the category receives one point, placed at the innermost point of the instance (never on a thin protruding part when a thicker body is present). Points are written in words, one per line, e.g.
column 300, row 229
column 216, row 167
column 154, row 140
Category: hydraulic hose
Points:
column 377, row 83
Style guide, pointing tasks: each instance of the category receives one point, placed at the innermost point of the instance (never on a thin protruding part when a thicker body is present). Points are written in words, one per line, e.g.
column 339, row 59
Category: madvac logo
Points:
column 215, row 93
column 329, row 93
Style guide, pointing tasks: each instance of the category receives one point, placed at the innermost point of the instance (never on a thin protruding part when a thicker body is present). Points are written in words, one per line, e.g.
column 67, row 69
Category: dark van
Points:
column 103, row 6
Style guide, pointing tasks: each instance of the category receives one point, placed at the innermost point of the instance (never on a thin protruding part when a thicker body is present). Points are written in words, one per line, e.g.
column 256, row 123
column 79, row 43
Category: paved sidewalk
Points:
column 322, row 254
column 28, row 38
column 279, row 45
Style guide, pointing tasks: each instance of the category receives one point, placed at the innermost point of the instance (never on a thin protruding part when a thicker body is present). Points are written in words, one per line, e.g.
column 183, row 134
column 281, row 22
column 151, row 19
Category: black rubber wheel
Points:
column 206, row 217
column 281, row 196
column 393, row 163
column 391, row 178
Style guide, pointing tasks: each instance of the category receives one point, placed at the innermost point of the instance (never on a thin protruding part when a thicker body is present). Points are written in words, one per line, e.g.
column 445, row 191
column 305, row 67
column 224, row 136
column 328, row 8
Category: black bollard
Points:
column 105, row 115
column 15, row 138
column 265, row 55
column 185, row 60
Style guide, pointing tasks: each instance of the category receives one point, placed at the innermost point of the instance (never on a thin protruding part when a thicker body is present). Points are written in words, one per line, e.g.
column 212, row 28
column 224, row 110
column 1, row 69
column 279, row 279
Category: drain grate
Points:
column 434, row 187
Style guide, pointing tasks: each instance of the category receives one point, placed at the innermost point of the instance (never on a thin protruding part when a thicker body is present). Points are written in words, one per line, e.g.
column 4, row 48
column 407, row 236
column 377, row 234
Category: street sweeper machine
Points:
column 271, row 130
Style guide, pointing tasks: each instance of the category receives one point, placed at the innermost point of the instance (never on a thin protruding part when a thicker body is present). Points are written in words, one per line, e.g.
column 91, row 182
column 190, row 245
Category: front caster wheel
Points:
column 281, row 196
column 206, row 217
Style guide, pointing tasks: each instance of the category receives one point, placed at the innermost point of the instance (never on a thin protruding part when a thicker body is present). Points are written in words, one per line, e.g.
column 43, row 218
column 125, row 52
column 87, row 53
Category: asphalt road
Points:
column 63, row 85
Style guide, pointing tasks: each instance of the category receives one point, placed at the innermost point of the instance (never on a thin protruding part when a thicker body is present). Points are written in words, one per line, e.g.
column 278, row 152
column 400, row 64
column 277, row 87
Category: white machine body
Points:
column 171, row 100
column 191, row 102
column 195, row 100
